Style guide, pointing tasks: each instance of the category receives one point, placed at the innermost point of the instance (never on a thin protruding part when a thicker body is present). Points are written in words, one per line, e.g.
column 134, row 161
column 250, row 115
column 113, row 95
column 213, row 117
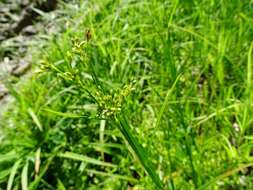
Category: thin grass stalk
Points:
column 139, row 151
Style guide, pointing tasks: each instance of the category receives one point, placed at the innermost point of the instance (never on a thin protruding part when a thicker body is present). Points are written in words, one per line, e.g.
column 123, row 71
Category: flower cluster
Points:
column 112, row 103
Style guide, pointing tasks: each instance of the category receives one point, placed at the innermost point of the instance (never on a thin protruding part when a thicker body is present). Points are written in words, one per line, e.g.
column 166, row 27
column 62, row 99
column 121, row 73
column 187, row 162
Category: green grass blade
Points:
column 24, row 177
column 113, row 175
column 12, row 175
column 197, row 35
column 82, row 158
column 138, row 150
column 4, row 174
column 249, row 69
column 224, row 175
column 7, row 157
column 43, row 171
column 60, row 185
column 67, row 115
column 166, row 101
column 35, row 118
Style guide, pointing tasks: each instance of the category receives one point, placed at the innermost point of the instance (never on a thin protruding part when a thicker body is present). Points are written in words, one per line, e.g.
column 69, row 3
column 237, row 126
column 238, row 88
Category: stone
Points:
column 21, row 68
column 3, row 91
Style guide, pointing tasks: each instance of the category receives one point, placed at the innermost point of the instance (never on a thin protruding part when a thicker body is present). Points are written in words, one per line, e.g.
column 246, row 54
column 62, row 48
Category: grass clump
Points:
column 137, row 95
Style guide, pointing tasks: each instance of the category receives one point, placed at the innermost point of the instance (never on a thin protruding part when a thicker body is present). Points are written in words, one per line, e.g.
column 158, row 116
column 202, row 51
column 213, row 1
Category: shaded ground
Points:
column 20, row 23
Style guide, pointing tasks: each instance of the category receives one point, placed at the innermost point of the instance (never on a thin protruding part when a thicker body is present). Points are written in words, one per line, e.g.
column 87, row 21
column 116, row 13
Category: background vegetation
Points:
column 136, row 95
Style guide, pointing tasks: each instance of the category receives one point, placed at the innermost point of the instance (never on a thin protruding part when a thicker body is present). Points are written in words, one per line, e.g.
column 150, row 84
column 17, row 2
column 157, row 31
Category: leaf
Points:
column 138, row 150
column 165, row 103
column 67, row 115
column 35, row 183
column 35, row 118
column 37, row 161
column 60, row 185
column 224, row 175
column 249, row 69
column 113, row 175
column 4, row 174
column 24, row 177
column 8, row 156
column 83, row 158
column 12, row 175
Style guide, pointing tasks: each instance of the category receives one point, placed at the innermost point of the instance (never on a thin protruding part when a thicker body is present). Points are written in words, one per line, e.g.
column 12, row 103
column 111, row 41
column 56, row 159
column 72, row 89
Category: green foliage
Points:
column 136, row 95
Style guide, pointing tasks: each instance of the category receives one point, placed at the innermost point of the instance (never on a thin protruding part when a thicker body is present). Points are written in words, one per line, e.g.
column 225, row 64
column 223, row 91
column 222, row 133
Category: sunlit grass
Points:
column 160, row 97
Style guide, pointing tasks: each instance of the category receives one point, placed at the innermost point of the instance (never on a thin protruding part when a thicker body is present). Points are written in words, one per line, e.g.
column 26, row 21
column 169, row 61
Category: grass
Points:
column 159, row 97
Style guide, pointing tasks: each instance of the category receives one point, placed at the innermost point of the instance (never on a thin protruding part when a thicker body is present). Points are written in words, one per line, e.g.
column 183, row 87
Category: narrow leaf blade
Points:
column 35, row 118
column 24, row 177
column 138, row 150
column 82, row 158
column 12, row 175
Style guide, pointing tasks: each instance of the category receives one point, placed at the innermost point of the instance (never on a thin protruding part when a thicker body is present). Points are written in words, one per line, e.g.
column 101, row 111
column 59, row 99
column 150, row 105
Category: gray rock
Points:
column 3, row 91
column 29, row 30
column 22, row 67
